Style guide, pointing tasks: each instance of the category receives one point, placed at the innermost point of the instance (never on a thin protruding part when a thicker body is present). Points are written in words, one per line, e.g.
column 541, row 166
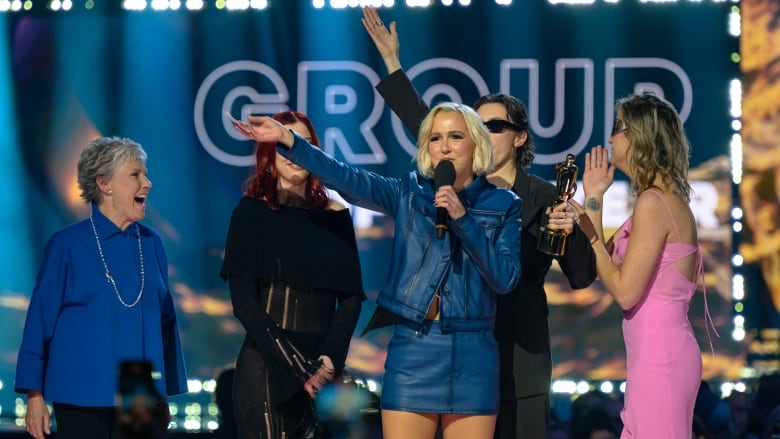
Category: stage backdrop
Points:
column 165, row 79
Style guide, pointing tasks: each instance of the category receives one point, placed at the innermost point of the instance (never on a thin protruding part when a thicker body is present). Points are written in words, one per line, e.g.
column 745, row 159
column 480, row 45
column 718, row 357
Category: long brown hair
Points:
column 263, row 184
column 659, row 146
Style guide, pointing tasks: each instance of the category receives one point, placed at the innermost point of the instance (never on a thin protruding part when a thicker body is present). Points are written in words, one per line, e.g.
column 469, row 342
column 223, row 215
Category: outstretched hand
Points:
column 264, row 129
column 386, row 41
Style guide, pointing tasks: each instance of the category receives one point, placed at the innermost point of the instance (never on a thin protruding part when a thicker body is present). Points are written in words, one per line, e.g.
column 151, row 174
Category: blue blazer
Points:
column 77, row 331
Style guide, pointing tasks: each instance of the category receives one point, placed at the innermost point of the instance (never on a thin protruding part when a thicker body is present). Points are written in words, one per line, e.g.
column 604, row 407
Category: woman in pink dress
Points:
column 651, row 264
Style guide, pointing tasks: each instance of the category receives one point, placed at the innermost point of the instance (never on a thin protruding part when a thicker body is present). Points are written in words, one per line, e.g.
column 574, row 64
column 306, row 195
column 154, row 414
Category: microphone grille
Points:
column 444, row 174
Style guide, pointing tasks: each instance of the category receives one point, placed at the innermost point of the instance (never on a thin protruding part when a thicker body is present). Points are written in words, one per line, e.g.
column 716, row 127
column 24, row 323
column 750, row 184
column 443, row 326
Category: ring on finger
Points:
column 564, row 215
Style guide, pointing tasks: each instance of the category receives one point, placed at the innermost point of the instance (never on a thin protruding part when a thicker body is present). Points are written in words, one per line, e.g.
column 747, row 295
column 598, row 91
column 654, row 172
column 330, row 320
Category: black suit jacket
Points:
column 521, row 328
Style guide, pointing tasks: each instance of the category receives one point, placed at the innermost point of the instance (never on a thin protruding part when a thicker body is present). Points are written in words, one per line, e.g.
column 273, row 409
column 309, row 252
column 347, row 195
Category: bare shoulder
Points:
column 666, row 211
column 650, row 202
column 335, row 205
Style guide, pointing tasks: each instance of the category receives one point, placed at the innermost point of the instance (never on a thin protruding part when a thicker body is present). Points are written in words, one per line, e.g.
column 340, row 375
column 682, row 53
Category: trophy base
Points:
column 552, row 242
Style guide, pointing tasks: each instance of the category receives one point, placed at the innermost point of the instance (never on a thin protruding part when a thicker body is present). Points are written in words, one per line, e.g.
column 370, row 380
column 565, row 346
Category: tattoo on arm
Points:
column 592, row 204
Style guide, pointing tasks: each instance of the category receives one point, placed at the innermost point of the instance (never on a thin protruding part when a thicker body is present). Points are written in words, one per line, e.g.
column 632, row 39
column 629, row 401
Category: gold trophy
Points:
column 553, row 242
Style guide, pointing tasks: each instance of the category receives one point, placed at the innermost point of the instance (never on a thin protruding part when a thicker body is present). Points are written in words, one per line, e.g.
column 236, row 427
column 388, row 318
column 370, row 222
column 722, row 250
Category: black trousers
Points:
column 77, row 422
column 523, row 418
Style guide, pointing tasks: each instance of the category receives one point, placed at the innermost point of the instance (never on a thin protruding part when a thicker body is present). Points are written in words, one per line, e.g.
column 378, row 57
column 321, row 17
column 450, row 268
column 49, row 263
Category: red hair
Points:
column 262, row 184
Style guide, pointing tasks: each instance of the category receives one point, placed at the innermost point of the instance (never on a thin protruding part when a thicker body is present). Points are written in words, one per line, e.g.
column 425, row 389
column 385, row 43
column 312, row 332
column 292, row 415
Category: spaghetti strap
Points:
column 708, row 323
column 679, row 238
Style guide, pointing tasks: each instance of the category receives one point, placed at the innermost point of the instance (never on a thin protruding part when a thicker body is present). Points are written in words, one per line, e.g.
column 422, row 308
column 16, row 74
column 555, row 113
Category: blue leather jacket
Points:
column 478, row 259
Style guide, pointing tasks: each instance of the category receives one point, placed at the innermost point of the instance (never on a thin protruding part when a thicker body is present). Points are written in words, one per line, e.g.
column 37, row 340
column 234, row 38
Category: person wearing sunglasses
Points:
column 521, row 328
column 651, row 264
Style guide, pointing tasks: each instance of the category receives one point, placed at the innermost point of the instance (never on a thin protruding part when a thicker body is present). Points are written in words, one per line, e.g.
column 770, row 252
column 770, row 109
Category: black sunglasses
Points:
column 619, row 126
column 496, row 126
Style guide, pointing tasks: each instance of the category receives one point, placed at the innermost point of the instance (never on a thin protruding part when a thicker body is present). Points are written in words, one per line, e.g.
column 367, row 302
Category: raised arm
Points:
column 395, row 89
column 357, row 186
column 386, row 41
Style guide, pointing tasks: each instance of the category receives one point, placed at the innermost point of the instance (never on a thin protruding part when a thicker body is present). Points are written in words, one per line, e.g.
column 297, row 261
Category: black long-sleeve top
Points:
column 295, row 285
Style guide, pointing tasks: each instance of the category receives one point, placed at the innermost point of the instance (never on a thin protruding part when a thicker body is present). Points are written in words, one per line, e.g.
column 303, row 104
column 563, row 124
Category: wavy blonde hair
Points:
column 659, row 146
column 483, row 148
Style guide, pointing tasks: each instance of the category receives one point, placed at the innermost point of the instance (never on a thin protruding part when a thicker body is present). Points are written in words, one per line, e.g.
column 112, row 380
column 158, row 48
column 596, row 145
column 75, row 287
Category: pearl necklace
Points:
column 108, row 273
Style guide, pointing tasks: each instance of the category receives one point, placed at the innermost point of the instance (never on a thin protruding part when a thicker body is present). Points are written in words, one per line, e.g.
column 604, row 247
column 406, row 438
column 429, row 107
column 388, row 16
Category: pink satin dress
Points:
column 664, row 363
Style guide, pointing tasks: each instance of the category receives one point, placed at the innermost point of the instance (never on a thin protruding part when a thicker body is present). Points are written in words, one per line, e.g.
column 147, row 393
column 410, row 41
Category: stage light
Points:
column 194, row 5
column 737, row 260
column 192, row 424
column 583, row 387
column 209, row 385
column 736, row 213
column 736, row 227
column 564, row 386
column 134, row 5
column 726, row 388
column 737, row 287
column 735, row 98
column 736, row 158
column 57, row 5
column 735, row 22
column 194, row 386
column 237, row 4
column 572, row 2
column 607, row 387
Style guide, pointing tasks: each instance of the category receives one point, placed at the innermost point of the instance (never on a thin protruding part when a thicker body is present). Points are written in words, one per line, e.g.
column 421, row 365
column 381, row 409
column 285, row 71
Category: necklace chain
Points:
column 108, row 273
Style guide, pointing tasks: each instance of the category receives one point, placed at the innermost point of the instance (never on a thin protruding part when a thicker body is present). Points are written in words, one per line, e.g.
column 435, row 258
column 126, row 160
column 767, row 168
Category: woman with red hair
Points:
column 292, row 265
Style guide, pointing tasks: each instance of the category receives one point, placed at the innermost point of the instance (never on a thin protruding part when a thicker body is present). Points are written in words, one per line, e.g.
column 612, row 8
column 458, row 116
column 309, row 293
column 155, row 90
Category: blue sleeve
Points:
column 42, row 315
column 357, row 186
column 498, row 262
column 175, row 372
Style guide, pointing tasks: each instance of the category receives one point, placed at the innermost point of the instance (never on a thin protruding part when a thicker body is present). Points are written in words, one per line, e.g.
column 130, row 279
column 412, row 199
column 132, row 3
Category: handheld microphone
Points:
column 443, row 175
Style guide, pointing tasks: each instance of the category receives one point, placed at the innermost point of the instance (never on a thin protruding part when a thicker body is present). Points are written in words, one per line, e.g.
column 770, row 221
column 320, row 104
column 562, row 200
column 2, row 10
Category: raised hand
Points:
column 386, row 41
column 599, row 173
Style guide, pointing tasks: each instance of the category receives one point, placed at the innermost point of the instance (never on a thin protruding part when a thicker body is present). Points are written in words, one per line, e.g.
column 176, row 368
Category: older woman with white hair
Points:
column 101, row 298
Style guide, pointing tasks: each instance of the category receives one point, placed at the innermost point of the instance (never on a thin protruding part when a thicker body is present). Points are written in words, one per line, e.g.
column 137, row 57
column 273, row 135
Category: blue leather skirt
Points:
column 428, row 371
